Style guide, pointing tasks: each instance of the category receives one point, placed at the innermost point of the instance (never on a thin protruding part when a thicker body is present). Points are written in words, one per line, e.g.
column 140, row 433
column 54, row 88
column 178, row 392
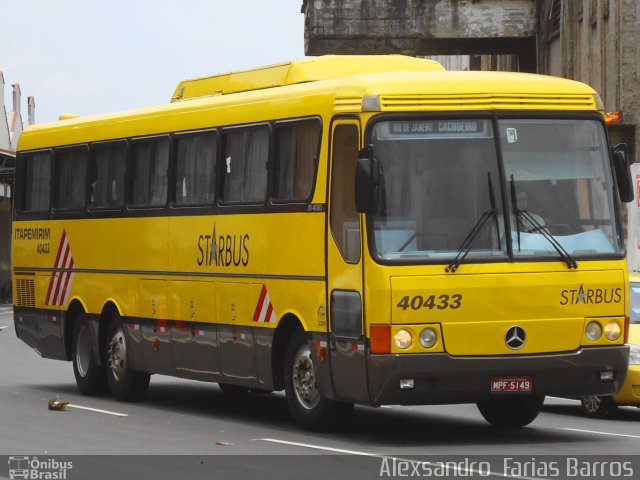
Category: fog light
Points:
column 406, row 383
column 612, row 331
column 593, row 331
column 403, row 338
column 428, row 337
column 607, row 375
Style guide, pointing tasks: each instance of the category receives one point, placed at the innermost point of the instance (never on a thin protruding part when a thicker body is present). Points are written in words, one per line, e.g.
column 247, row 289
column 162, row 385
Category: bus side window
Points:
column 297, row 148
column 71, row 178
column 245, row 169
column 108, row 164
column 37, row 182
column 196, row 169
column 345, row 224
column 149, row 163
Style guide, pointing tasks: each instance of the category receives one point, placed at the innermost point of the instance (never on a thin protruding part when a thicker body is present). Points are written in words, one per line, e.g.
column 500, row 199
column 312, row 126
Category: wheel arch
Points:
column 288, row 325
column 109, row 309
column 76, row 308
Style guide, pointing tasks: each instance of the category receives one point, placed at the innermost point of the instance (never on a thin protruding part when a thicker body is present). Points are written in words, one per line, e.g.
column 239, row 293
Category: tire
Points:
column 598, row 406
column 308, row 408
column 126, row 385
column 91, row 378
column 511, row 412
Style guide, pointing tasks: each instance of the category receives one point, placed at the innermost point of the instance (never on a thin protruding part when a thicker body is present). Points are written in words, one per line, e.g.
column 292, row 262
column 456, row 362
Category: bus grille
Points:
column 25, row 293
column 487, row 102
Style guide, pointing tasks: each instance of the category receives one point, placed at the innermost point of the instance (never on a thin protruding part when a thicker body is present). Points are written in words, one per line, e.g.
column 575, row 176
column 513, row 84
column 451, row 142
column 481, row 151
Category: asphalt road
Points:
column 182, row 426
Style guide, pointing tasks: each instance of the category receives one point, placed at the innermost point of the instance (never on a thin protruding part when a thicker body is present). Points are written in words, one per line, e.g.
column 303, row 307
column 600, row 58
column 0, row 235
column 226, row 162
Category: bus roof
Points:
column 403, row 84
column 300, row 71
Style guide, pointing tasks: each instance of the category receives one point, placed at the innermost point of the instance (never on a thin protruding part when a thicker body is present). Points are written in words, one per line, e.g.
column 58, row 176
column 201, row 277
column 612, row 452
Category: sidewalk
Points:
column 6, row 308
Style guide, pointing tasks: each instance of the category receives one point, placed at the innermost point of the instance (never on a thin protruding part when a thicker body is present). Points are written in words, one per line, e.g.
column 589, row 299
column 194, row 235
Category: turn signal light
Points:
column 380, row 339
column 627, row 321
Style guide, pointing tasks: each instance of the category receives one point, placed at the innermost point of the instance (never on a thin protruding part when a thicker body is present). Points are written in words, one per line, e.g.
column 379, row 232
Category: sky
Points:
column 97, row 56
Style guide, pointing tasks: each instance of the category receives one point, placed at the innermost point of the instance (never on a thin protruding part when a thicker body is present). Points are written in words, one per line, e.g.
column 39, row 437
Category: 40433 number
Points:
column 439, row 302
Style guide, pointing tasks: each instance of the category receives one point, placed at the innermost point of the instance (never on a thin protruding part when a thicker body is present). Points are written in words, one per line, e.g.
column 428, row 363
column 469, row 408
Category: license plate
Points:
column 511, row 384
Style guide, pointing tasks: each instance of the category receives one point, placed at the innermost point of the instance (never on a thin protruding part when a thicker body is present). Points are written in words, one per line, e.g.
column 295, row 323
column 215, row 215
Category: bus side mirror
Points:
column 368, row 176
column 623, row 172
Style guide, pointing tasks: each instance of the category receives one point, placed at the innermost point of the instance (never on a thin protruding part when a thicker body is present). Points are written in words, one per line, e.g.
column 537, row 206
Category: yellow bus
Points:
column 350, row 229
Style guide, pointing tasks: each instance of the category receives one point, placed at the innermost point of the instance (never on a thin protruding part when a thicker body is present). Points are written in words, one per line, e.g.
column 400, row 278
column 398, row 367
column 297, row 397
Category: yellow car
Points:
column 629, row 394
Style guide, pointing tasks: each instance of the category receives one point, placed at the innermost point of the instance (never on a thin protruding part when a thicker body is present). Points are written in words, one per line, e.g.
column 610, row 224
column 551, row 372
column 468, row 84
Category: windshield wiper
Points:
column 467, row 243
column 523, row 215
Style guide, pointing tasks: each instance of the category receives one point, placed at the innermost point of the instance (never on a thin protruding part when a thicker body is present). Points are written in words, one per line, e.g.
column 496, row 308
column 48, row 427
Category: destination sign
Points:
column 434, row 129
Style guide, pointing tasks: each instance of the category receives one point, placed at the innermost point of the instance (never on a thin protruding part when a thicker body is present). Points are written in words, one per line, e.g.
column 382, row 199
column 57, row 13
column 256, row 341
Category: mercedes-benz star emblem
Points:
column 515, row 338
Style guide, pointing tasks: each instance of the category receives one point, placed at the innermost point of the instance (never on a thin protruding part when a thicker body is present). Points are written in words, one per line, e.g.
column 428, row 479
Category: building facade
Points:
column 11, row 126
column 597, row 42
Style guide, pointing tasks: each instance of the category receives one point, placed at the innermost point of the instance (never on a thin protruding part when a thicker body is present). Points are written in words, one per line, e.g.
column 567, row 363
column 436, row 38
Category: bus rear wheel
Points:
column 511, row 412
column 308, row 407
column 125, row 384
column 91, row 377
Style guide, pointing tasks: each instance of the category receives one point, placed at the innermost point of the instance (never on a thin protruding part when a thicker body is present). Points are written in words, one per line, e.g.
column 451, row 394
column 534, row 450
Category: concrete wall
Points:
column 419, row 27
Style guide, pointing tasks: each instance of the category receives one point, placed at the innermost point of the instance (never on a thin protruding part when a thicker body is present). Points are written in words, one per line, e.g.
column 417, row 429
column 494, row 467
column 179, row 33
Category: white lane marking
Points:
column 79, row 407
column 320, row 447
column 564, row 399
column 468, row 471
column 2, row 328
column 596, row 432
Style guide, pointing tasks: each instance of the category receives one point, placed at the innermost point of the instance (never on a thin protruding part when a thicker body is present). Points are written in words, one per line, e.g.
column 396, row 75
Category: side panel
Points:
column 194, row 333
column 236, row 345
column 156, row 334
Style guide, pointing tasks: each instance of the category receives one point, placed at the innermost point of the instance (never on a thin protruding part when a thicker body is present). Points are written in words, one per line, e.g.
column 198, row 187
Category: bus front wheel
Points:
column 91, row 378
column 309, row 409
column 125, row 384
column 511, row 412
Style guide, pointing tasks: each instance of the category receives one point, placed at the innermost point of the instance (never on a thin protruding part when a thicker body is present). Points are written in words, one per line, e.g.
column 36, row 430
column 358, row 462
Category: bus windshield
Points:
column 442, row 189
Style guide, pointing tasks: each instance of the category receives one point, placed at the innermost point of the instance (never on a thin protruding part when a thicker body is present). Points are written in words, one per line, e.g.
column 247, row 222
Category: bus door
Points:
column 347, row 344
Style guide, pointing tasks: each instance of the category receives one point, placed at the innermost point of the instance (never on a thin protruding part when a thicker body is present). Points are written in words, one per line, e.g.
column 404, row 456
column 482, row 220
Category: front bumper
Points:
column 441, row 378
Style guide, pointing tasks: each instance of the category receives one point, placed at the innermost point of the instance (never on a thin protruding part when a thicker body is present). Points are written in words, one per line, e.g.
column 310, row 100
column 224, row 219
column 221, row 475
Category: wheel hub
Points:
column 118, row 355
column 304, row 379
column 592, row 403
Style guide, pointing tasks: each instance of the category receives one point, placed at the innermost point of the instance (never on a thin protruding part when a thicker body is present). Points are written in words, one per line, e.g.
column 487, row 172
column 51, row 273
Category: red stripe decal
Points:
column 263, row 294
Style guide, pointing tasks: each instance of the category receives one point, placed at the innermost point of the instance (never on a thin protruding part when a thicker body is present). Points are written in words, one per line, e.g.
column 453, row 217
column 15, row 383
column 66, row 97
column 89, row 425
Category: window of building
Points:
column 37, row 182
column 149, row 166
column 196, row 169
column 71, row 178
column 297, row 148
column 245, row 165
column 107, row 181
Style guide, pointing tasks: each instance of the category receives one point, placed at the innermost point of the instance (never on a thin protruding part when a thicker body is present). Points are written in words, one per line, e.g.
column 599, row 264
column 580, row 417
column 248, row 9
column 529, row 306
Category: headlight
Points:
column 403, row 339
column 593, row 331
column 612, row 331
column 428, row 337
column 634, row 355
